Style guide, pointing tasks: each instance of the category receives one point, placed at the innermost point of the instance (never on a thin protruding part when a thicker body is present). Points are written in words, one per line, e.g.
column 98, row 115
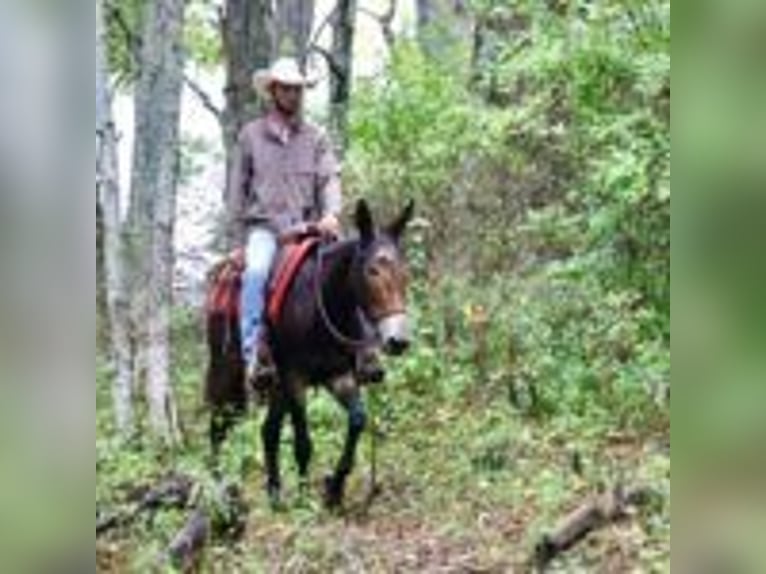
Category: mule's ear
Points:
column 397, row 228
column 364, row 222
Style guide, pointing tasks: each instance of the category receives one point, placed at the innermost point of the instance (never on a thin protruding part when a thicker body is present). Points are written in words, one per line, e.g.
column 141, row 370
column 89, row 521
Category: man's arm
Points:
column 238, row 189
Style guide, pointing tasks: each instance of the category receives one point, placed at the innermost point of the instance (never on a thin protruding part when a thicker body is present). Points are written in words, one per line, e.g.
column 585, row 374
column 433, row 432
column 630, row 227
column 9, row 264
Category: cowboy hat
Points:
column 283, row 71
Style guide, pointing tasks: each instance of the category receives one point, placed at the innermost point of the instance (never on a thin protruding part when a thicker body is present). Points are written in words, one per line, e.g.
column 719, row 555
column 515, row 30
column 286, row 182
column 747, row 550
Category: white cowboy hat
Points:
column 284, row 71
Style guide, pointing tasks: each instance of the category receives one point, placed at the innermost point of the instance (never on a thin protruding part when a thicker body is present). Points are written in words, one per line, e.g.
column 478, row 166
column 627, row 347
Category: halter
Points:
column 335, row 332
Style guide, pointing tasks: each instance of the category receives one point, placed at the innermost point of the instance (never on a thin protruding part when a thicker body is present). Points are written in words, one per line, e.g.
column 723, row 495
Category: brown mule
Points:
column 346, row 298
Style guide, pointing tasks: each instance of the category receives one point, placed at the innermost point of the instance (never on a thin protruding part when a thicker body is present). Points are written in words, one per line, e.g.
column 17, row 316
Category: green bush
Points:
column 549, row 208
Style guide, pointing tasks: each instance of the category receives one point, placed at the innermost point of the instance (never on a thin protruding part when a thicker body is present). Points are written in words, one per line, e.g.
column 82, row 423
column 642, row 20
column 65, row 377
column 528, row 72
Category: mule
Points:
column 347, row 298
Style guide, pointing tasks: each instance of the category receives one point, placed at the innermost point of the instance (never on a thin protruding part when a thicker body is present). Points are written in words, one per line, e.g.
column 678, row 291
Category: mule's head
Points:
column 380, row 271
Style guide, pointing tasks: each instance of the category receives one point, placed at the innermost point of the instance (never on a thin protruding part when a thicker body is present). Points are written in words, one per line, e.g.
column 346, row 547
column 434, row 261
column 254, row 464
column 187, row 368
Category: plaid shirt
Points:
column 282, row 175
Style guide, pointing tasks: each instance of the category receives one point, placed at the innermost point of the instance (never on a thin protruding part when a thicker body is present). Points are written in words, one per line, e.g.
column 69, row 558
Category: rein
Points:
column 335, row 332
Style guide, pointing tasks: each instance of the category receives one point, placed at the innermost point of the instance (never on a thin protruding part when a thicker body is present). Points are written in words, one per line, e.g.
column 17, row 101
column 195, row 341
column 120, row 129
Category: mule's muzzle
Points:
column 395, row 334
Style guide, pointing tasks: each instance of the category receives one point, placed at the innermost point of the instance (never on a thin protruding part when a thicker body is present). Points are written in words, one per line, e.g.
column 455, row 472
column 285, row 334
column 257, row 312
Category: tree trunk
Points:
column 341, row 63
column 248, row 45
column 154, row 182
column 116, row 302
column 102, row 323
column 426, row 15
column 442, row 25
column 295, row 19
column 490, row 35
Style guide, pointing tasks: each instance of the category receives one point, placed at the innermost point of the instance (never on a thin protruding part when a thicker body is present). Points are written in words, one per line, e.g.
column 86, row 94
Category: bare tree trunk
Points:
column 107, row 173
column 441, row 25
column 154, row 181
column 102, row 323
column 295, row 19
column 248, row 44
column 341, row 63
column 490, row 34
column 426, row 15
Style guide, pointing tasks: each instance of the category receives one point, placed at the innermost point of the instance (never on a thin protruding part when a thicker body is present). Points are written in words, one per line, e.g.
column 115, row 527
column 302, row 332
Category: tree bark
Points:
column 341, row 67
column 107, row 174
column 441, row 25
column 295, row 19
column 489, row 36
column 248, row 45
column 426, row 15
column 154, row 183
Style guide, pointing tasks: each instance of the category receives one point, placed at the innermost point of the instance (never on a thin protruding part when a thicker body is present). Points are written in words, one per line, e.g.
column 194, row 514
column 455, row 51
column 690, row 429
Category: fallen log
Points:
column 224, row 517
column 106, row 523
column 173, row 492
column 595, row 513
column 186, row 550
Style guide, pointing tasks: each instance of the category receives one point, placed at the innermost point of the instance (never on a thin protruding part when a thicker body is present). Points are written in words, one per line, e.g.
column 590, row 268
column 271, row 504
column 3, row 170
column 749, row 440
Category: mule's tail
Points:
column 225, row 392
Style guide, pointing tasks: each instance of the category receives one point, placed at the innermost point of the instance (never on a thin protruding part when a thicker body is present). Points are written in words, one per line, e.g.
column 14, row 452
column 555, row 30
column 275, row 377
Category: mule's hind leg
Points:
column 303, row 446
column 225, row 392
column 222, row 420
column 271, row 434
column 335, row 484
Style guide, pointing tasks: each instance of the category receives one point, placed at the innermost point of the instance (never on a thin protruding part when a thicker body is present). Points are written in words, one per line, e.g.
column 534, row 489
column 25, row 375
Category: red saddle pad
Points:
column 225, row 280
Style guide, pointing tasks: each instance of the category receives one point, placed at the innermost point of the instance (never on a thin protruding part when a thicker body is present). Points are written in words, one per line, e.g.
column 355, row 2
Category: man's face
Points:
column 287, row 99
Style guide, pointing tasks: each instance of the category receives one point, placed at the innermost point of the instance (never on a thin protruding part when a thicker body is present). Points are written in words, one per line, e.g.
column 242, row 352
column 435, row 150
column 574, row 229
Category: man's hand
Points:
column 329, row 226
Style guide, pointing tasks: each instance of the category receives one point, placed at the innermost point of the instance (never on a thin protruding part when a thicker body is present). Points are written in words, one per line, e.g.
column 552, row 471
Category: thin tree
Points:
column 295, row 19
column 108, row 196
column 340, row 61
column 153, row 198
column 247, row 33
column 441, row 25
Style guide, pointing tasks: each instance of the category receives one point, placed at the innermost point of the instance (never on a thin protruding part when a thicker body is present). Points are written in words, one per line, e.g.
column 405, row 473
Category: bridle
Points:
column 335, row 332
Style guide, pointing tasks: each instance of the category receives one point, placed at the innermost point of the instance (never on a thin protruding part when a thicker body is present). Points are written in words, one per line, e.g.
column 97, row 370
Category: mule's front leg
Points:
column 271, row 434
column 357, row 421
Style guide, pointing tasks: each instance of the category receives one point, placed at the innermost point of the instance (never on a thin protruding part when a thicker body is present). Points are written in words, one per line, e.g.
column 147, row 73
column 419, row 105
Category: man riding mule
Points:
column 341, row 299
column 285, row 176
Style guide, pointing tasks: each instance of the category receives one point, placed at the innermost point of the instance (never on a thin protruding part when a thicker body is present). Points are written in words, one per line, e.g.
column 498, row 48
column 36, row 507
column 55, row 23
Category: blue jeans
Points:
column 259, row 255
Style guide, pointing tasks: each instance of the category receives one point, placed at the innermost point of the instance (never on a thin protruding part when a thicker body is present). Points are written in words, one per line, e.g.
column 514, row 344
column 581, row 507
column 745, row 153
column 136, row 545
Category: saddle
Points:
column 225, row 280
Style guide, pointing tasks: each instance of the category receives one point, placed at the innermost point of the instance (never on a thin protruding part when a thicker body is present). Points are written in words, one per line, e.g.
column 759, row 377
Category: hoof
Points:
column 274, row 494
column 304, row 486
column 333, row 493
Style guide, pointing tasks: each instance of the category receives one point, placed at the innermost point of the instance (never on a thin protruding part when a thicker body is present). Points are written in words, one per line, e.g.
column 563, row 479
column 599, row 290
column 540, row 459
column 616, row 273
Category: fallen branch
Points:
column 186, row 550
column 224, row 516
column 173, row 492
column 592, row 515
column 106, row 523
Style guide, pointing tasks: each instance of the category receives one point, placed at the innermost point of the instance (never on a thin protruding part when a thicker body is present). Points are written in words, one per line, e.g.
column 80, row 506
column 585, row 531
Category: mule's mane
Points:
column 331, row 255
column 336, row 247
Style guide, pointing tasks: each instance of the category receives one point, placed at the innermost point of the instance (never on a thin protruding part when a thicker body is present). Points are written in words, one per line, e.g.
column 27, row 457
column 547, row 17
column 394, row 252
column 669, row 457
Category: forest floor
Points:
column 467, row 485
